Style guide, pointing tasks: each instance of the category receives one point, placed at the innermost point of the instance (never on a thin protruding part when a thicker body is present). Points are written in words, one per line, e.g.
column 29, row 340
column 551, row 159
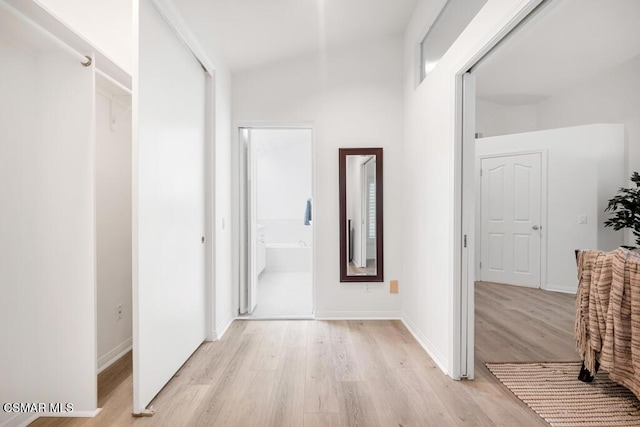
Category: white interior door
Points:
column 169, row 205
column 252, row 229
column 510, row 219
column 464, row 359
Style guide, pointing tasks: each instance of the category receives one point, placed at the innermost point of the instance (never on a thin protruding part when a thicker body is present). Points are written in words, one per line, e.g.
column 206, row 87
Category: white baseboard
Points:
column 20, row 420
column 23, row 420
column 562, row 289
column 115, row 354
column 220, row 331
column 309, row 317
column 431, row 350
column 74, row 414
column 358, row 315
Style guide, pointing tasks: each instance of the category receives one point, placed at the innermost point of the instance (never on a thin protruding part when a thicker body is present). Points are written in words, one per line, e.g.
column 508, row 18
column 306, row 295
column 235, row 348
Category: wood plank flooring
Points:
column 348, row 373
column 518, row 324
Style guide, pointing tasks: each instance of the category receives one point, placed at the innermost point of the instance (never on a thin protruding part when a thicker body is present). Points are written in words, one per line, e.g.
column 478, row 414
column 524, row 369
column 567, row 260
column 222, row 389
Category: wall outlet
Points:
column 119, row 312
column 582, row 219
column 366, row 289
column 393, row 287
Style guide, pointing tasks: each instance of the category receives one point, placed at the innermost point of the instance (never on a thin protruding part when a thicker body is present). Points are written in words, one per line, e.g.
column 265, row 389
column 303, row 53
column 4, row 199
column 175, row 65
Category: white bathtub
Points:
column 291, row 257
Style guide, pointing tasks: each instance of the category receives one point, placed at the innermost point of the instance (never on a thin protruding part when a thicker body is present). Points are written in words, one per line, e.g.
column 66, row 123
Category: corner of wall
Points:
column 223, row 328
column 20, row 420
column 424, row 342
column 562, row 289
column 115, row 354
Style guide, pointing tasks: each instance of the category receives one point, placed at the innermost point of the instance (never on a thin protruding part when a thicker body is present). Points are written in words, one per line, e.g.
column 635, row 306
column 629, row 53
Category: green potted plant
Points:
column 625, row 209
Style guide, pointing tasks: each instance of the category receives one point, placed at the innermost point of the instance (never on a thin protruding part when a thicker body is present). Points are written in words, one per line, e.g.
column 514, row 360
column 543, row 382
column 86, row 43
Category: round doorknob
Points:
column 535, row 227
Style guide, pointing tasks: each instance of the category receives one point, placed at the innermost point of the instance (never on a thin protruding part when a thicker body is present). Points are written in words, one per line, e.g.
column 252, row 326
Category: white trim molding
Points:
column 301, row 317
column 358, row 315
column 20, row 420
column 220, row 331
column 177, row 23
column 23, row 420
column 424, row 342
column 562, row 289
column 115, row 354
column 74, row 414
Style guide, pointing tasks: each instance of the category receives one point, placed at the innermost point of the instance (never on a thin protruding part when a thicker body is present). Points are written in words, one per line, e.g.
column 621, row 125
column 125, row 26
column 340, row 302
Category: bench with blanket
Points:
column 607, row 325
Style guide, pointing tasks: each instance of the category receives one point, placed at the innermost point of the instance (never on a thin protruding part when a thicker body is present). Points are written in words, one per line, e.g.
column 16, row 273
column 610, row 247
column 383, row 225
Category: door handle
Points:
column 535, row 227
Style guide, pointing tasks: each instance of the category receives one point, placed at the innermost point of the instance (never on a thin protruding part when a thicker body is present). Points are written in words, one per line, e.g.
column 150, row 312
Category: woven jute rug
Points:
column 554, row 392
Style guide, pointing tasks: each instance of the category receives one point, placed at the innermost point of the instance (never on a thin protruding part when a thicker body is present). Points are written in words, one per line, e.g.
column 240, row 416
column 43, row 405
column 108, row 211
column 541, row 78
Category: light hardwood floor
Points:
column 348, row 373
column 517, row 324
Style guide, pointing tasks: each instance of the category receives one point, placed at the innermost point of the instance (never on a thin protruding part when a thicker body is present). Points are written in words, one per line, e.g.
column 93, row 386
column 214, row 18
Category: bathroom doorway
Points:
column 278, row 222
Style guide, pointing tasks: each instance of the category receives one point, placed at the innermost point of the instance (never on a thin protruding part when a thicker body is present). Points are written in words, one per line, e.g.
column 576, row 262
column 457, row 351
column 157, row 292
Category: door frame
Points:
column 463, row 357
column 544, row 213
column 239, row 209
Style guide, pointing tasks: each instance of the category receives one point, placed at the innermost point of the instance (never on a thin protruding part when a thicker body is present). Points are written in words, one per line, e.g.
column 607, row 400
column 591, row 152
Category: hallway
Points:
column 341, row 373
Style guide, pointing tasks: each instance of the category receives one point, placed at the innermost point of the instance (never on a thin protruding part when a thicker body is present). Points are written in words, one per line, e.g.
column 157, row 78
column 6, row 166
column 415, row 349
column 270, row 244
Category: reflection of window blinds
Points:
column 372, row 210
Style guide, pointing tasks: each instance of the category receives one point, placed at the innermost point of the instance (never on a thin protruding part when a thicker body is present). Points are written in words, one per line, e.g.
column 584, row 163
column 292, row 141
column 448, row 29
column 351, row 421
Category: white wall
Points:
column 113, row 226
column 494, row 119
column 105, row 24
column 284, row 172
column 20, row 382
column 353, row 97
column 47, row 268
column 284, row 183
column 609, row 97
column 585, row 167
column 225, row 309
column 428, row 176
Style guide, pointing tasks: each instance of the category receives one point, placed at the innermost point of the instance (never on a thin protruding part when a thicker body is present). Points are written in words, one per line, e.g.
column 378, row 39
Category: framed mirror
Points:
column 361, row 234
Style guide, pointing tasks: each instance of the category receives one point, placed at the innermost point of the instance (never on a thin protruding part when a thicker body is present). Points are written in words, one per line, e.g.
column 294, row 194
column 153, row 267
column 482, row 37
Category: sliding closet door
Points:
column 169, row 264
column 47, row 269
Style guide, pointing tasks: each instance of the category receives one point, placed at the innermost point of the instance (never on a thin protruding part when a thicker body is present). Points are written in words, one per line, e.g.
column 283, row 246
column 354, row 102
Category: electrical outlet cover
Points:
column 393, row 287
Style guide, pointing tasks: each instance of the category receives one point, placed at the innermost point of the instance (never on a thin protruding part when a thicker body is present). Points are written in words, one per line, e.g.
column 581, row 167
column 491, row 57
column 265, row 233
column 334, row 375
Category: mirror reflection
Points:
column 361, row 255
column 361, row 215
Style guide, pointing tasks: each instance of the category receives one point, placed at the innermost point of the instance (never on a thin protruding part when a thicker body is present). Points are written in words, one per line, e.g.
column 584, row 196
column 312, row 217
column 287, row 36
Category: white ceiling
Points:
column 249, row 33
column 568, row 43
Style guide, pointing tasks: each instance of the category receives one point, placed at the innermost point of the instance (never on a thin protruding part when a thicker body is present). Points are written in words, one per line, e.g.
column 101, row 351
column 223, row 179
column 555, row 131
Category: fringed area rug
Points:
column 554, row 392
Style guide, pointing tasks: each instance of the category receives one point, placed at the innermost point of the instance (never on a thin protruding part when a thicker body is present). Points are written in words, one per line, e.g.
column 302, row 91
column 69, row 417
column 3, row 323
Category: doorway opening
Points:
column 113, row 221
column 543, row 149
column 278, row 237
column 113, row 216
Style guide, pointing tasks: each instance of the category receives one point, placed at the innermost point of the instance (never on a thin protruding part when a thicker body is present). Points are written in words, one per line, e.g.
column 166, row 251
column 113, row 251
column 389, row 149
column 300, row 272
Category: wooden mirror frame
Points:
column 342, row 159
